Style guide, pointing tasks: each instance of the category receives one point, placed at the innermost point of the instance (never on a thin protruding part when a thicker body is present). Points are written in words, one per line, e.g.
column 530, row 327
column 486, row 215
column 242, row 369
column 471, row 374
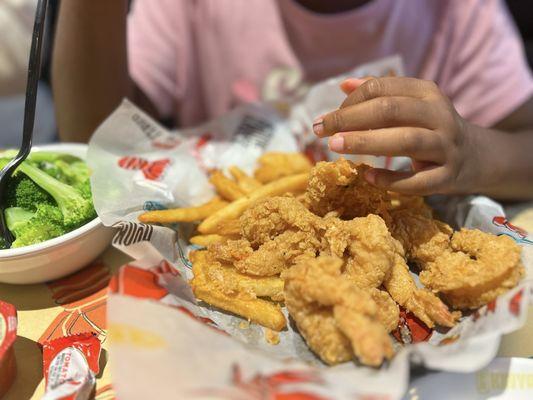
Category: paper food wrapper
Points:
column 165, row 345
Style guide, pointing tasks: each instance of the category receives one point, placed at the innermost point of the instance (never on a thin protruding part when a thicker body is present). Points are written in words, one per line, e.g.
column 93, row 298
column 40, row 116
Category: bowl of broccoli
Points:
column 50, row 212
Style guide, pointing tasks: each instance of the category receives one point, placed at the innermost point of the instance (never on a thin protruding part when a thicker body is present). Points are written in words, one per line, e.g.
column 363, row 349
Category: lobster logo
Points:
column 515, row 303
column 491, row 307
column 152, row 170
column 520, row 235
column 196, row 150
column 272, row 386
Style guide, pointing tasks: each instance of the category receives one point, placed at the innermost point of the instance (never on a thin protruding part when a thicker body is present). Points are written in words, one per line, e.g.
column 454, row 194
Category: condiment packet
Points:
column 8, row 334
column 70, row 365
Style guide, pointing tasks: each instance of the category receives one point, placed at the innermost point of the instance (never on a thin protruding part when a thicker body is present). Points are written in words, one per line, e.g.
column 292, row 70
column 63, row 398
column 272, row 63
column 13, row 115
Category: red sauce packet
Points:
column 70, row 365
column 8, row 334
column 411, row 329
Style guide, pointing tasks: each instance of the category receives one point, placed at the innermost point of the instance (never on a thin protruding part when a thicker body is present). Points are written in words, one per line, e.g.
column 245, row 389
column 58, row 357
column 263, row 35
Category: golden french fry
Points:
column 223, row 287
column 276, row 165
column 230, row 227
column 206, row 240
column 228, row 189
column 187, row 214
column 226, row 276
column 271, row 286
column 245, row 182
column 292, row 184
column 259, row 311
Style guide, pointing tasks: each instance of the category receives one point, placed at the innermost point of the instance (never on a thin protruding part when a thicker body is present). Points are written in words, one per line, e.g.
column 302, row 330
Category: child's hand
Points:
column 405, row 117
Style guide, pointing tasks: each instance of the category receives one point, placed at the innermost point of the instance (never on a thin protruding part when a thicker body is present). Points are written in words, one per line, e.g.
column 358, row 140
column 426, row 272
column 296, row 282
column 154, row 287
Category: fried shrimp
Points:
column 271, row 217
column 337, row 319
column 341, row 186
column 389, row 312
column 421, row 302
column 272, row 257
column 477, row 268
column 231, row 251
column 422, row 237
column 338, row 256
column 280, row 253
column 366, row 245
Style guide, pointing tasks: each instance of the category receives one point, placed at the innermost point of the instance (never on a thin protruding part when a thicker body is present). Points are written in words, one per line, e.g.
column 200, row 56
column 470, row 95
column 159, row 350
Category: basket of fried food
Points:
column 339, row 254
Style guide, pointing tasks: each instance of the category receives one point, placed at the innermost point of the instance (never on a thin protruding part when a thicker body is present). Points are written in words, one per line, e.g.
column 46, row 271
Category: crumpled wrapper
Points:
column 165, row 345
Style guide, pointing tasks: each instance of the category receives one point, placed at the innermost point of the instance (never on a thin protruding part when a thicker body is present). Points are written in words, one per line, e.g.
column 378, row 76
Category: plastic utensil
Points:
column 34, row 71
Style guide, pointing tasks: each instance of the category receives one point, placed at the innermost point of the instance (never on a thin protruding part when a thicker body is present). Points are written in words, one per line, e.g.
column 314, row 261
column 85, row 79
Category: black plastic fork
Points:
column 34, row 72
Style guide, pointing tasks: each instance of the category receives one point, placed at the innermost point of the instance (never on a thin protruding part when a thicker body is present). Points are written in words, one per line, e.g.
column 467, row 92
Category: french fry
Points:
column 245, row 182
column 259, row 311
column 206, row 240
column 187, row 214
column 232, row 280
column 223, row 287
column 276, row 165
column 271, row 286
column 230, row 227
column 228, row 189
column 292, row 184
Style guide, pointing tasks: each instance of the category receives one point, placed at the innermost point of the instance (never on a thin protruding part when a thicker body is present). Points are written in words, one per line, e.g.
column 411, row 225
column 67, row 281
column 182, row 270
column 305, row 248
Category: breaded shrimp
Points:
column 271, row 217
column 315, row 290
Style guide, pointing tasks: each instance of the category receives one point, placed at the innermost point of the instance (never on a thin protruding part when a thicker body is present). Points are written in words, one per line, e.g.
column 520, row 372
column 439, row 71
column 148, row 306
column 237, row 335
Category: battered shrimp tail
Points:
column 430, row 309
column 421, row 302
column 370, row 341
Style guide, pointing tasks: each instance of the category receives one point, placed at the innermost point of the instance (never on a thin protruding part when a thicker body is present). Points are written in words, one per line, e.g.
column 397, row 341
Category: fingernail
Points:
column 318, row 125
column 336, row 143
column 353, row 81
column 370, row 176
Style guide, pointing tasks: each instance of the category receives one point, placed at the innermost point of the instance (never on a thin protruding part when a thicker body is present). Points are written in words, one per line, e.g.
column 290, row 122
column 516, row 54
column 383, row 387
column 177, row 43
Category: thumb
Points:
column 426, row 182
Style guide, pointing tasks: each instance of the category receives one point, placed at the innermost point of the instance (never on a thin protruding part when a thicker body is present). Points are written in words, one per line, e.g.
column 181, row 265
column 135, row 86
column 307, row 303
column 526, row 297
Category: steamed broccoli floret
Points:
column 72, row 174
column 41, row 207
column 75, row 208
column 23, row 192
column 78, row 173
column 16, row 217
column 85, row 189
column 53, row 171
column 34, row 227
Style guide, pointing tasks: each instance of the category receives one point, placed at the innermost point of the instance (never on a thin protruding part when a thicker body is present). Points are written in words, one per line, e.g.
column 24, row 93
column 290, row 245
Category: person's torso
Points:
column 256, row 50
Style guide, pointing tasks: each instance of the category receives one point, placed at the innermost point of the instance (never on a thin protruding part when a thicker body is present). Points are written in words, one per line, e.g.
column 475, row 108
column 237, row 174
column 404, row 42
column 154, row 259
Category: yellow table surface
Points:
column 59, row 308
column 56, row 309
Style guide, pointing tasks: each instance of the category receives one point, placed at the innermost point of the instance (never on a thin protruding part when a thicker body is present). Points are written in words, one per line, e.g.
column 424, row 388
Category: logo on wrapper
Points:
column 132, row 232
column 277, row 385
column 253, row 131
column 152, row 170
column 518, row 234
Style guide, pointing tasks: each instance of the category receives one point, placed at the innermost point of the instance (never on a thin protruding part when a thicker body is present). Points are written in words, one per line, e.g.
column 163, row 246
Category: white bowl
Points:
column 57, row 257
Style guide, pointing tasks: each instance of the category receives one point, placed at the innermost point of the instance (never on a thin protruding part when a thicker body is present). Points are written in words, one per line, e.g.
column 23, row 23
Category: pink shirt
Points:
column 197, row 59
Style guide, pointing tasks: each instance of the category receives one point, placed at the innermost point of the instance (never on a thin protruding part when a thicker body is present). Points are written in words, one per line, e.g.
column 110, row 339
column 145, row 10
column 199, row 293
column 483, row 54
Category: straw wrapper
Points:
column 165, row 345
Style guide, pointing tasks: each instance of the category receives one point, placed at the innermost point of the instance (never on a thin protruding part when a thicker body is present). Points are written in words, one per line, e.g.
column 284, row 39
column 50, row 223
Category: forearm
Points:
column 89, row 66
column 505, row 163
